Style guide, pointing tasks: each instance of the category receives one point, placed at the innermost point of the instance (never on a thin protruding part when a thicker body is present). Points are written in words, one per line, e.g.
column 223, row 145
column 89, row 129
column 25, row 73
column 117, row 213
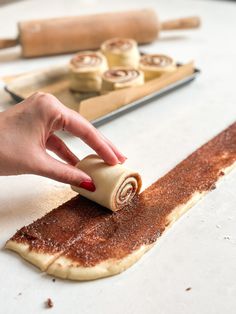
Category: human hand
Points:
column 27, row 130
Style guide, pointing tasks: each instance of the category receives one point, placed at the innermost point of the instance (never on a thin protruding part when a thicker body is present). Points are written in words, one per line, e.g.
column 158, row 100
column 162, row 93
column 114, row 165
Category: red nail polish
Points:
column 88, row 185
column 123, row 160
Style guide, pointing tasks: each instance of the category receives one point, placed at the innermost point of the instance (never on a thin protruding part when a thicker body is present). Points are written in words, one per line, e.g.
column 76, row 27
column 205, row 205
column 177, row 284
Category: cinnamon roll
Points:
column 115, row 185
column 122, row 77
column 85, row 70
column 121, row 52
column 154, row 65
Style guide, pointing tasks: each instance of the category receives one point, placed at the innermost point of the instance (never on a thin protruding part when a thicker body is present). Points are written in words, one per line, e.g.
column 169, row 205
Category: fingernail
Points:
column 88, row 185
column 123, row 159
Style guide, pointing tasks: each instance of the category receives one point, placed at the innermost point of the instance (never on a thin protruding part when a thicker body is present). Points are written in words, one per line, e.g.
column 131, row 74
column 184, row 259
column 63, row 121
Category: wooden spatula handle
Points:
column 182, row 23
column 6, row 43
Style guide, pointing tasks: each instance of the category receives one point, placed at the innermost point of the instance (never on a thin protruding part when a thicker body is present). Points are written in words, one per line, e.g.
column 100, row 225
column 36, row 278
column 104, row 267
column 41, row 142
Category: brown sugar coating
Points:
column 60, row 227
column 88, row 233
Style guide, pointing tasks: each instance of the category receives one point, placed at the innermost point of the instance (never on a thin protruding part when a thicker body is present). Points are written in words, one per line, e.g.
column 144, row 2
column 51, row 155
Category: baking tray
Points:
column 144, row 100
column 126, row 108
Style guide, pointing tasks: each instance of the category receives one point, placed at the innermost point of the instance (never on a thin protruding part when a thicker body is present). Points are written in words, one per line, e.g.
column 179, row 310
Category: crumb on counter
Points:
column 188, row 289
column 213, row 187
column 49, row 303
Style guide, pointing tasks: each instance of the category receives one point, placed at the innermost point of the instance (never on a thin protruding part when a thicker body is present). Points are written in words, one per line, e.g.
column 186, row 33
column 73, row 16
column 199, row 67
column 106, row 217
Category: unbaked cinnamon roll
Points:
column 85, row 70
column 121, row 52
column 154, row 65
column 115, row 185
column 121, row 77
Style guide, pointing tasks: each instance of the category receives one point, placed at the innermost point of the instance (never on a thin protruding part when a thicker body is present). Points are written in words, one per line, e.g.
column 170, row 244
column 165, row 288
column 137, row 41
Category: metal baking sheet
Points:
column 144, row 100
column 129, row 107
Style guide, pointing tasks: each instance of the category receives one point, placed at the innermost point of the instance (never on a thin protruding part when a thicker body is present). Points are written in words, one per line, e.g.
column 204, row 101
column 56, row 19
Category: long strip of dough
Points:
column 81, row 240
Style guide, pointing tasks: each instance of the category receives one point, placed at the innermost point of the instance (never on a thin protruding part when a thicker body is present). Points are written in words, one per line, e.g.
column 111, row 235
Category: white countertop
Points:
column 200, row 250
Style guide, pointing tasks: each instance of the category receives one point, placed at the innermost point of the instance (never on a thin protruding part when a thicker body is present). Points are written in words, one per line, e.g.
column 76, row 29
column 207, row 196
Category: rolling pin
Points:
column 70, row 34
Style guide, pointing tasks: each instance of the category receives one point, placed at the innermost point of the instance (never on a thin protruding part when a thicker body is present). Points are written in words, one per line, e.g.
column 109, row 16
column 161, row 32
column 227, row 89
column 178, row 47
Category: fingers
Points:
column 56, row 170
column 56, row 145
column 61, row 117
column 119, row 155
column 80, row 127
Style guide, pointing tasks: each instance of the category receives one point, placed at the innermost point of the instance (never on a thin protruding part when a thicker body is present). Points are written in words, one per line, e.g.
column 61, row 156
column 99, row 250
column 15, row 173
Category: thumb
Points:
column 59, row 171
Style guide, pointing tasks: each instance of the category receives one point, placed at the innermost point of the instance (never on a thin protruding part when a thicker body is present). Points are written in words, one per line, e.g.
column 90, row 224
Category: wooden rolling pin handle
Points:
column 183, row 23
column 6, row 43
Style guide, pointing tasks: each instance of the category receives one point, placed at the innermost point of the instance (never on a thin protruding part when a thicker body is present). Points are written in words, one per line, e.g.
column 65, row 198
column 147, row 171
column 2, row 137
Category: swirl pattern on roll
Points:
column 126, row 191
column 119, row 44
column 121, row 77
column 156, row 60
column 116, row 186
column 88, row 59
column 154, row 65
column 85, row 71
column 121, row 52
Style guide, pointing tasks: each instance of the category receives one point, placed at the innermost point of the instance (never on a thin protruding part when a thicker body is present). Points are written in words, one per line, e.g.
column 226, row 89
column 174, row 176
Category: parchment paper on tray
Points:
column 99, row 106
column 55, row 81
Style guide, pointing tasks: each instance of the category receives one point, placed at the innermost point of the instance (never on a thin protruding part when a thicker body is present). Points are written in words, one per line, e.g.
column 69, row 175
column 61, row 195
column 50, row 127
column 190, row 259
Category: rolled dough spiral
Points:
column 121, row 77
column 121, row 52
column 85, row 70
column 155, row 65
column 115, row 185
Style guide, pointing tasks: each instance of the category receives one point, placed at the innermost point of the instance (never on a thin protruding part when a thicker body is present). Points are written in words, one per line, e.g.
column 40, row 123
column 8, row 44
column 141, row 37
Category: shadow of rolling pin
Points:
column 70, row 34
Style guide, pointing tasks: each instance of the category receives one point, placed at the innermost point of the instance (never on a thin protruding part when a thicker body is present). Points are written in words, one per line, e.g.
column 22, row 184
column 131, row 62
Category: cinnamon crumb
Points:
column 49, row 303
column 213, row 187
